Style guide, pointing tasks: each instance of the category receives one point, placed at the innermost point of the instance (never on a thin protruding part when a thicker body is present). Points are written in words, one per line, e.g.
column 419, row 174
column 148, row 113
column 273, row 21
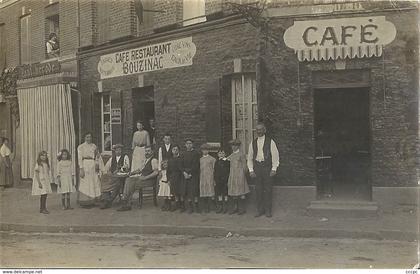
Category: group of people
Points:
column 188, row 180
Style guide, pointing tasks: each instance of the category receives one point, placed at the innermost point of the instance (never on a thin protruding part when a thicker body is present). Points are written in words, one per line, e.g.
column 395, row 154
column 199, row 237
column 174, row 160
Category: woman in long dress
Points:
column 6, row 173
column 141, row 139
column 89, row 171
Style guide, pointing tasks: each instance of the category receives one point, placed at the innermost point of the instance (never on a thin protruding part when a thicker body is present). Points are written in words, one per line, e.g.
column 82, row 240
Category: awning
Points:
column 335, row 53
column 46, row 121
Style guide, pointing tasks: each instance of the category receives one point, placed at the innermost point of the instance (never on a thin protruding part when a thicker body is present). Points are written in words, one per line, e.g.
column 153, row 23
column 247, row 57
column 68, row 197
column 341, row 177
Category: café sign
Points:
column 171, row 54
column 38, row 69
column 341, row 38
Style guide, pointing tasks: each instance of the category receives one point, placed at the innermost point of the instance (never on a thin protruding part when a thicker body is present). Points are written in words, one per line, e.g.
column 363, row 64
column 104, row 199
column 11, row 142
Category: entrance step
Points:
column 343, row 208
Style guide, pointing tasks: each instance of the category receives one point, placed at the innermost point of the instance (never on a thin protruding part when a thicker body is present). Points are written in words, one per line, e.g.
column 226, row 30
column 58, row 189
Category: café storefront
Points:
column 337, row 93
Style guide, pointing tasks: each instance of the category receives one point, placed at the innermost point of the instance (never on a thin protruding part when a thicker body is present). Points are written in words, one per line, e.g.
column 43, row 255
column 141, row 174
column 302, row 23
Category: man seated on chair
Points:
column 145, row 176
column 118, row 163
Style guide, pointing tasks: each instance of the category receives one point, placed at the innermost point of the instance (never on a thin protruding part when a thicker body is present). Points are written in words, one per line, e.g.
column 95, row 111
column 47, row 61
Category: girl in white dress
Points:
column 65, row 178
column 164, row 187
column 42, row 179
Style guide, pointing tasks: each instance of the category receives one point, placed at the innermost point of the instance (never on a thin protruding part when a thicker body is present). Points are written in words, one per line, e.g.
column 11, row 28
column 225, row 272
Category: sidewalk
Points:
column 20, row 212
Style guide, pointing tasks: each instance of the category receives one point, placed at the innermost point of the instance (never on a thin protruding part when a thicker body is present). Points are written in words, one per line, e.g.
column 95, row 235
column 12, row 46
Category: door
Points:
column 342, row 140
column 143, row 106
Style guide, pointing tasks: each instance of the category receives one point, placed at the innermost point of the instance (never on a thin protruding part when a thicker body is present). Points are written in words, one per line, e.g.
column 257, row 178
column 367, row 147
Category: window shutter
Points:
column 225, row 110
column 213, row 122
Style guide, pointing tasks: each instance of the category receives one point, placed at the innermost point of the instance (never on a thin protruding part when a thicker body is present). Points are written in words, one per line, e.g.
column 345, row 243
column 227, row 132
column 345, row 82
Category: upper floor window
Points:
column 145, row 13
column 25, row 40
column 52, row 46
column 103, row 27
column 194, row 11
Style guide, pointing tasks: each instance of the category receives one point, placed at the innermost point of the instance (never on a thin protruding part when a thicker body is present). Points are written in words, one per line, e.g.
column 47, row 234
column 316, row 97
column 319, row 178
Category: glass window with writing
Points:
column 244, row 109
column 106, row 123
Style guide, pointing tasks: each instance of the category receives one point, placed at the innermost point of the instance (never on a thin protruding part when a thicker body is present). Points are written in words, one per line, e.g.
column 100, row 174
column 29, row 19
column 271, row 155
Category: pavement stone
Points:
column 20, row 212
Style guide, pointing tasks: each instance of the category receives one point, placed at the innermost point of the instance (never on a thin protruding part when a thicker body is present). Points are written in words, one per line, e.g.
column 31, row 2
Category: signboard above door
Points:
column 340, row 38
column 170, row 54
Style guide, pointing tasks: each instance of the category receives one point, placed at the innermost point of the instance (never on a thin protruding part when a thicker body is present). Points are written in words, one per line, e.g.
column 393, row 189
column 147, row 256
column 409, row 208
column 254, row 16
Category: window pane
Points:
column 254, row 115
column 107, row 142
column 238, row 91
column 107, row 105
column 241, row 115
column 248, row 88
column 254, row 91
column 194, row 10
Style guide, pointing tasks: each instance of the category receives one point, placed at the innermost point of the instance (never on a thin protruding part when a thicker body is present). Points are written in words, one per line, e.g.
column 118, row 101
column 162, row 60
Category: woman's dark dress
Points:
column 191, row 165
column 221, row 176
column 175, row 176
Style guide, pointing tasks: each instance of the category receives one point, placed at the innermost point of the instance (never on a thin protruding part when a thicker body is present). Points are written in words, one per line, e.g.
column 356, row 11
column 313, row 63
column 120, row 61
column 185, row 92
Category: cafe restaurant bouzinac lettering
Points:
column 339, row 38
column 171, row 54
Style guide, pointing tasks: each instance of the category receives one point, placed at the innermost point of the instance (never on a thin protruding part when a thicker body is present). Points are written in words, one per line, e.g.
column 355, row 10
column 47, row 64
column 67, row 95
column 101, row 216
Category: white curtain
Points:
column 46, row 121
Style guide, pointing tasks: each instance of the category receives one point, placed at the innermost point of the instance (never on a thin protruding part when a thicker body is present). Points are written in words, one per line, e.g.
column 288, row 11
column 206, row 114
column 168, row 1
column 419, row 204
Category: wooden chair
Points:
column 150, row 189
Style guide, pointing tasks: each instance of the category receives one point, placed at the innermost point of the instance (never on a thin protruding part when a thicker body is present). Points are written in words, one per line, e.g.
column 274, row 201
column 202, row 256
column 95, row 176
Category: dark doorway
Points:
column 342, row 136
column 143, row 105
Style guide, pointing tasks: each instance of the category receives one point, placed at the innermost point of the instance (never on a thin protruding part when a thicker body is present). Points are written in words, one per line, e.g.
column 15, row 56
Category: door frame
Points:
column 343, row 79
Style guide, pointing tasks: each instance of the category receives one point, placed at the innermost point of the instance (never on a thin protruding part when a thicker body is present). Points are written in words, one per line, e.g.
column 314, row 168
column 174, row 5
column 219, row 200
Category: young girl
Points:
column 65, row 178
column 176, row 180
column 164, row 187
column 6, row 173
column 221, row 176
column 237, row 184
column 42, row 179
column 206, row 177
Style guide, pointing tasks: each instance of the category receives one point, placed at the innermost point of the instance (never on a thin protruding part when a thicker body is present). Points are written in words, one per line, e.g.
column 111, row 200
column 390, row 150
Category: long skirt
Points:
column 139, row 156
column 90, row 185
column 6, row 173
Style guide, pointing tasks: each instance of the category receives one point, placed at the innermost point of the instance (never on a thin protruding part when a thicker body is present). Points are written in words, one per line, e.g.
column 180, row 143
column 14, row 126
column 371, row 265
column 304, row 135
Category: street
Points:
column 152, row 251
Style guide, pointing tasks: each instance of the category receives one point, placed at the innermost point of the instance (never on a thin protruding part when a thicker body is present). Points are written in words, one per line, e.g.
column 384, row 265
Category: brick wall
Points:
column 394, row 119
column 10, row 15
column 122, row 19
column 180, row 93
column 87, row 22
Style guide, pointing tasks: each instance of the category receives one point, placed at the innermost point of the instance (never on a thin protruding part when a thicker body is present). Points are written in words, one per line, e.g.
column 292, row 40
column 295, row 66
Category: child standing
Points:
column 176, row 179
column 65, row 178
column 237, row 183
column 164, row 187
column 42, row 179
column 206, row 177
column 221, row 176
column 191, row 170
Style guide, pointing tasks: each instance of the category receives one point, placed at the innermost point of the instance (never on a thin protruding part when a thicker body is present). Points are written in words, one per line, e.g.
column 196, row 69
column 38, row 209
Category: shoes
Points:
column 259, row 214
column 268, row 214
column 69, row 207
column 182, row 207
column 241, row 207
column 225, row 207
column 44, row 211
column 219, row 207
column 124, row 208
column 105, row 205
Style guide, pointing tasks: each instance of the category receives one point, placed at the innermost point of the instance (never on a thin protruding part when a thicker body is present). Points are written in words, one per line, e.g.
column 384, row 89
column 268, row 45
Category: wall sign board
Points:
column 341, row 38
column 171, row 54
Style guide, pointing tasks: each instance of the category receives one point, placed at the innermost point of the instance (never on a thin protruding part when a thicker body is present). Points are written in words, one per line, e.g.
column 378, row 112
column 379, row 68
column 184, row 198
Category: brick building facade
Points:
column 233, row 58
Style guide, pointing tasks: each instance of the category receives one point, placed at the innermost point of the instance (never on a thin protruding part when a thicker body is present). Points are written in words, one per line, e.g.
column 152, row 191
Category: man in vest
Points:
column 262, row 161
column 165, row 151
column 118, row 163
column 144, row 176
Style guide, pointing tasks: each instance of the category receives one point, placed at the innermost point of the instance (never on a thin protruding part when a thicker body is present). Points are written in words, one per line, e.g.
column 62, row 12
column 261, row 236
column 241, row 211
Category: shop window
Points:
column 25, row 40
column 194, row 11
column 106, row 123
column 244, row 109
column 52, row 45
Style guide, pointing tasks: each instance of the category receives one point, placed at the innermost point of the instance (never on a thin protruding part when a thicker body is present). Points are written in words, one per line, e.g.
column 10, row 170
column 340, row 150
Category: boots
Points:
column 190, row 207
column 196, row 207
column 241, row 206
column 165, row 205
column 68, row 202
column 225, row 206
column 182, row 206
column 63, row 202
column 207, row 205
column 169, row 205
column 235, row 207
column 43, row 207
column 219, row 207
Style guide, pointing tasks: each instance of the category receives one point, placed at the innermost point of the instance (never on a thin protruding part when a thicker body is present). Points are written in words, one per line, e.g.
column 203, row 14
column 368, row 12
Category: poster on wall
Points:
column 116, row 116
column 171, row 54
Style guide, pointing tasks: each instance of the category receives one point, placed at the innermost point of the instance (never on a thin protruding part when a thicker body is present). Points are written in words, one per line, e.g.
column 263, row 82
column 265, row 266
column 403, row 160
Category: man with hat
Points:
column 111, row 184
column 263, row 160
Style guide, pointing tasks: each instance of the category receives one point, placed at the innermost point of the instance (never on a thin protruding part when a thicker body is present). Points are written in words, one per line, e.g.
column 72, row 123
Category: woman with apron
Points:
column 90, row 163
column 141, row 139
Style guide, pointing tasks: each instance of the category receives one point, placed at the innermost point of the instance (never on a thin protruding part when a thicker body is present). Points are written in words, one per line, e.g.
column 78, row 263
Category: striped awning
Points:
column 46, row 122
column 335, row 53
